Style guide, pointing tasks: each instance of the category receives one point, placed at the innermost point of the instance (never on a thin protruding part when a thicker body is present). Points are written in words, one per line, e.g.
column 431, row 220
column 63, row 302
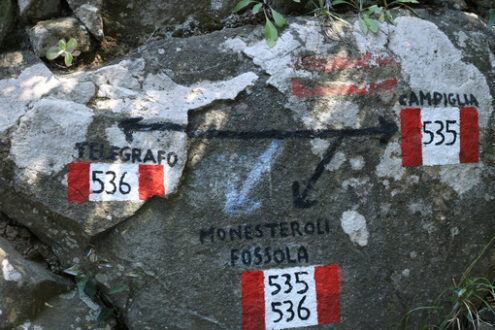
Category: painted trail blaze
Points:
column 439, row 136
column 114, row 182
column 291, row 297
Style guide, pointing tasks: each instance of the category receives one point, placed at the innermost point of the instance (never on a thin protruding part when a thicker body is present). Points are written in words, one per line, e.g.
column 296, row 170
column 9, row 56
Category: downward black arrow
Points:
column 299, row 199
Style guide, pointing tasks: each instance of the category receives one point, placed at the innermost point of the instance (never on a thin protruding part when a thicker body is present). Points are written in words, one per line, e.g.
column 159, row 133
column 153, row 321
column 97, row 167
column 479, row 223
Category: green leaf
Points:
column 407, row 1
column 382, row 17
column 256, row 8
column 298, row 1
column 374, row 9
column 363, row 26
column 90, row 289
column 241, row 5
column 76, row 53
column 390, row 18
column 372, row 24
column 279, row 19
column 74, row 270
column 118, row 289
column 491, row 19
column 81, row 281
column 51, row 54
column 68, row 59
column 62, row 45
column 105, row 313
column 271, row 33
column 71, row 45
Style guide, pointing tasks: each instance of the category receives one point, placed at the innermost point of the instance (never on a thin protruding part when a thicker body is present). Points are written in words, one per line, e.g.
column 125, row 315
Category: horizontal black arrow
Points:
column 385, row 129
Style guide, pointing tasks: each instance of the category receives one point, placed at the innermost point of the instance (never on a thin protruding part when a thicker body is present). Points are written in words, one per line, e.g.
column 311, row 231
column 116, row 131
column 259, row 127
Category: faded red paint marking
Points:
column 253, row 300
column 381, row 88
column 328, row 282
column 469, row 135
column 335, row 63
column 78, row 182
column 151, row 181
column 410, row 122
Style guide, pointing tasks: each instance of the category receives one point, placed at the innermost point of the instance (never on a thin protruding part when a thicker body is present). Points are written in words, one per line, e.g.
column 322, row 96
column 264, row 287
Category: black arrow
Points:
column 300, row 199
column 385, row 129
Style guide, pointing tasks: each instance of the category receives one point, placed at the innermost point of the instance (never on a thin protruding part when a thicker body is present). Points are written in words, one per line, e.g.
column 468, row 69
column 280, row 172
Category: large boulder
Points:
column 25, row 287
column 204, row 169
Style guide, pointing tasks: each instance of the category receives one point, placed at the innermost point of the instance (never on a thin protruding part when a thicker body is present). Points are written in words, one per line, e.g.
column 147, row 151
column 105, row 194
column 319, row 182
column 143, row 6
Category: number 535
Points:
column 440, row 132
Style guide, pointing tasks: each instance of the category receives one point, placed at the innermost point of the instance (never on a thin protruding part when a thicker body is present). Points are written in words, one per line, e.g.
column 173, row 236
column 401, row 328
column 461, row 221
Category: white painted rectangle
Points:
column 114, row 182
column 290, row 298
column 440, row 136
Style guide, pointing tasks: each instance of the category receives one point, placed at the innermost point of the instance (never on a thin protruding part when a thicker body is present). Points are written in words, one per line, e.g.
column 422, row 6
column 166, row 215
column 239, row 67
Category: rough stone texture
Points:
column 66, row 311
column 89, row 12
column 6, row 18
column 35, row 10
column 391, row 229
column 46, row 34
column 25, row 286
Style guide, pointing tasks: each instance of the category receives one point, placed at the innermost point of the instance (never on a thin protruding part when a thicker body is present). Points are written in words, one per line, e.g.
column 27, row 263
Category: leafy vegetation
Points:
column 458, row 305
column 271, row 32
column 86, row 283
column 367, row 15
column 65, row 49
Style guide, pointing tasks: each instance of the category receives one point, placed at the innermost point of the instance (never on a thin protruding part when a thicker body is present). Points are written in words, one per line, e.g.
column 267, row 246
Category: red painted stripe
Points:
column 328, row 280
column 78, row 182
column 253, row 301
column 470, row 136
column 410, row 125
column 381, row 88
column 151, row 181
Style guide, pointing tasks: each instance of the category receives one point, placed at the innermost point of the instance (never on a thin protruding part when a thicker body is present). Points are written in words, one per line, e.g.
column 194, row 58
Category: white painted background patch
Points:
column 277, row 276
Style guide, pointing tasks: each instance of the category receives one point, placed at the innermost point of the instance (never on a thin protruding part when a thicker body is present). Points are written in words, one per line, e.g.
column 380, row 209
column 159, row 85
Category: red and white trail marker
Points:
column 439, row 136
column 114, row 182
column 290, row 297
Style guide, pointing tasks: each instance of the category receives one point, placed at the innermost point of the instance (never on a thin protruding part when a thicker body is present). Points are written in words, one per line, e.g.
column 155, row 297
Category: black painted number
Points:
column 276, row 285
column 439, row 132
column 278, row 311
column 303, row 313
column 124, row 187
column 298, row 280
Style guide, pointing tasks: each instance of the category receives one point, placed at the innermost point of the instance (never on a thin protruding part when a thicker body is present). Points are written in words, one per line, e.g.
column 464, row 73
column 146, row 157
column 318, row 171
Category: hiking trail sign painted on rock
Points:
column 439, row 136
column 291, row 297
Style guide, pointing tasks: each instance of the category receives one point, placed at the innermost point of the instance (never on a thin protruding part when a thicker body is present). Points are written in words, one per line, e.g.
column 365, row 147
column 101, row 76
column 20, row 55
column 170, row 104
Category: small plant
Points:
column 463, row 300
column 271, row 33
column 66, row 49
column 366, row 22
column 86, row 283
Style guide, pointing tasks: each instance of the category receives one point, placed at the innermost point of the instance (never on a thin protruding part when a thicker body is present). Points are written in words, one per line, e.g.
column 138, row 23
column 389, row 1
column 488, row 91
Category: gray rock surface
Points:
column 67, row 311
column 89, row 12
column 7, row 17
column 35, row 10
column 245, row 123
column 25, row 286
column 46, row 34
